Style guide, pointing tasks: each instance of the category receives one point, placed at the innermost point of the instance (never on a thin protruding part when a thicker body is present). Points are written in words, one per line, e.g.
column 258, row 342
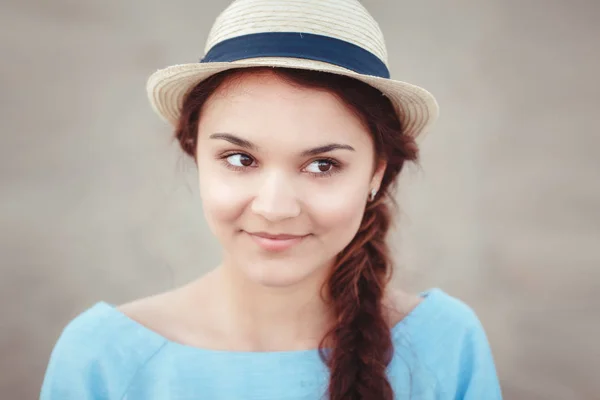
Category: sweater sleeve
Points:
column 96, row 357
column 477, row 377
column 77, row 368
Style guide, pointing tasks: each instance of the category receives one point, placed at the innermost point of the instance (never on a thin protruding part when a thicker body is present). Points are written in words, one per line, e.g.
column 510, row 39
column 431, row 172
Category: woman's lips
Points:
column 275, row 242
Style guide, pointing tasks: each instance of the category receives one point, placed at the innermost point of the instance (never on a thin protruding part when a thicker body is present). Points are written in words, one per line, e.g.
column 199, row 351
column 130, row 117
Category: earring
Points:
column 372, row 195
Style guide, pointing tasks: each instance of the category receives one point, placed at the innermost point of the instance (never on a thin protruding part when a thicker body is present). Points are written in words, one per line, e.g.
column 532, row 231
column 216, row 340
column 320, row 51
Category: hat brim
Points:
column 167, row 88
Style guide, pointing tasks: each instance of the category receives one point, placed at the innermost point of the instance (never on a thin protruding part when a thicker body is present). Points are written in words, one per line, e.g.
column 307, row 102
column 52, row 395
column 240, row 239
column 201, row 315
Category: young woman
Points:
column 299, row 135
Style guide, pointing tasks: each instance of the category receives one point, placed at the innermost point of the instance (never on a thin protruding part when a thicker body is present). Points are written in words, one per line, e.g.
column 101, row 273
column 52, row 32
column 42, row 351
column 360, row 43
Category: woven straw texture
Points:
column 346, row 20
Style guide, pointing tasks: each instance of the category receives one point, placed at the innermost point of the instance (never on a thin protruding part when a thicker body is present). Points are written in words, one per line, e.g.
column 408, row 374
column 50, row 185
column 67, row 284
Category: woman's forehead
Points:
column 266, row 108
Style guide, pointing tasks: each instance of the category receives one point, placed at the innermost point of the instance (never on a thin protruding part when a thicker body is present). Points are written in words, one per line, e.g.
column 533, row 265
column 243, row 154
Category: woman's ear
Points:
column 378, row 175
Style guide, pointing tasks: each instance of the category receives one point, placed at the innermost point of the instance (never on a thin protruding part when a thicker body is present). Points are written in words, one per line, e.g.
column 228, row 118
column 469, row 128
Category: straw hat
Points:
column 335, row 36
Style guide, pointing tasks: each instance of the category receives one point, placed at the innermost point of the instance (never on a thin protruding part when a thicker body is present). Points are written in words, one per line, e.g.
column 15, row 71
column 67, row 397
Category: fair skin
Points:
column 285, row 173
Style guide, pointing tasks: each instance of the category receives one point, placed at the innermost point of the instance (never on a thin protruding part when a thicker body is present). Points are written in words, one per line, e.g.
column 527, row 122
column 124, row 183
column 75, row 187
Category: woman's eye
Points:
column 240, row 160
column 320, row 166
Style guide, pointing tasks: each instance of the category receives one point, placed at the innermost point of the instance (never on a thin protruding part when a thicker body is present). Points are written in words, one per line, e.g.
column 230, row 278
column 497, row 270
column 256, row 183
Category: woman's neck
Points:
column 254, row 317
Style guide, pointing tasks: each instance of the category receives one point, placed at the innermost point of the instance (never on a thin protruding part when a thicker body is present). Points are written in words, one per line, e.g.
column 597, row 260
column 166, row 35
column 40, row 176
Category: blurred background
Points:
column 98, row 203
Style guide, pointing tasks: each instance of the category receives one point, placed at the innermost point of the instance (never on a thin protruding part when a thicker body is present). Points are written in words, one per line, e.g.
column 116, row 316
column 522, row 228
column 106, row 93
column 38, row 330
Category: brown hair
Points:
column 358, row 348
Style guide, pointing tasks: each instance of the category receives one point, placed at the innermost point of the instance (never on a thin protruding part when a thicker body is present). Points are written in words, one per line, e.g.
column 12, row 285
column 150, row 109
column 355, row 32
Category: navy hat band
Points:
column 298, row 45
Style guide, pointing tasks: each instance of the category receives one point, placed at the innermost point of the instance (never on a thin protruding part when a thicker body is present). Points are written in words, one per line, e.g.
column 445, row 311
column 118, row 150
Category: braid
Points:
column 361, row 340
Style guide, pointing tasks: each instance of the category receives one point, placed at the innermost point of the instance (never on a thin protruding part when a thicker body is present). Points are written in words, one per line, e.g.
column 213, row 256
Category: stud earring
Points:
column 372, row 195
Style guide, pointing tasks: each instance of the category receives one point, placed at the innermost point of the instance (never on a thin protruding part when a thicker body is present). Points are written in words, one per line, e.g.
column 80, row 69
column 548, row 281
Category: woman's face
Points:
column 285, row 173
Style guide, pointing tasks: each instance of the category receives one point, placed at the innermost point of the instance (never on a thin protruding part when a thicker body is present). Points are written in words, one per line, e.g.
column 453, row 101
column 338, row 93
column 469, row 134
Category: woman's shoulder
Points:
column 417, row 315
column 443, row 335
column 105, row 326
column 100, row 347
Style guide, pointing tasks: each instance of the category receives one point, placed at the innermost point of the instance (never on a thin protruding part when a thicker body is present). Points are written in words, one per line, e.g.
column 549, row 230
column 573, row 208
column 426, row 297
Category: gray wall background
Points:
column 98, row 204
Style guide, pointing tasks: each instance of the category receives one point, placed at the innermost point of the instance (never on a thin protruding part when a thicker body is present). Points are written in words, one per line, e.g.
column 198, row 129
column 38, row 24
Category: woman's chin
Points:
column 278, row 273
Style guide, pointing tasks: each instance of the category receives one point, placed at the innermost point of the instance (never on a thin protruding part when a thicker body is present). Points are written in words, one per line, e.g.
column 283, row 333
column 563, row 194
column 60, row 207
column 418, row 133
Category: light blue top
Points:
column 441, row 352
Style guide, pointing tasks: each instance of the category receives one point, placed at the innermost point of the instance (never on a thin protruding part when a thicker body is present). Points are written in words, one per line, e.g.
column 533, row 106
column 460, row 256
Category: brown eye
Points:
column 324, row 165
column 245, row 160
column 321, row 167
column 240, row 160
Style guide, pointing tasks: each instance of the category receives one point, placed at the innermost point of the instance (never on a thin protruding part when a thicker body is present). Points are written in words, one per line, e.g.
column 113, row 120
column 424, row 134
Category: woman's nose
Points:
column 275, row 198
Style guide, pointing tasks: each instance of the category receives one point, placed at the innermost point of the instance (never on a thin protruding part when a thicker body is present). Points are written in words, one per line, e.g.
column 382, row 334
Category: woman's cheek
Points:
column 338, row 212
column 339, row 201
column 224, row 200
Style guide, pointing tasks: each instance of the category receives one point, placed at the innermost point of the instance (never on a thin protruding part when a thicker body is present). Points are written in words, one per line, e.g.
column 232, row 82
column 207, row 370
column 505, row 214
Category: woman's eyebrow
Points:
column 238, row 141
column 235, row 140
column 326, row 149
